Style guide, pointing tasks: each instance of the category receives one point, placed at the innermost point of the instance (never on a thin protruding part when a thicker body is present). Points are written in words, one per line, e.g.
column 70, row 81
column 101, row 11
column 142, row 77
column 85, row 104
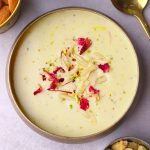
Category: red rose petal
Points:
column 61, row 80
column 58, row 69
column 51, row 76
column 93, row 90
column 85, row 43
column 84, row 104
column 53, row 85
column 81, row 41
column 104, row 67
column 39, row 90
column 43, row 77
column 55, row 82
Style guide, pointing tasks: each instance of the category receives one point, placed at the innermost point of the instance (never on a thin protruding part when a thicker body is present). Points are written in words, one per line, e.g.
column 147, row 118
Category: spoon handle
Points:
column 144, row 23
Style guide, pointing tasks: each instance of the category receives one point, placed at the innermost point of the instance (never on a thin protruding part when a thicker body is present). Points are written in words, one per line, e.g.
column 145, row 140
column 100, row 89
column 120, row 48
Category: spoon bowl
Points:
column 135, row 8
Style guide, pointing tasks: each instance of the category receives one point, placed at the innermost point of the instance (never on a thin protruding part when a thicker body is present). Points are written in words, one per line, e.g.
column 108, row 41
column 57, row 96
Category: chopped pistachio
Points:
column 71, row 106
column 89, row 51
column 75, row 96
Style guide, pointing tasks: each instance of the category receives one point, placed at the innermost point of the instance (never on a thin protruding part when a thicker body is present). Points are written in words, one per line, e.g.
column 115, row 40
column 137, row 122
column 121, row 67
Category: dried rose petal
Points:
column 61, row 80
column 81, row 41
column 51, row 76
column 39, row 90
column 55, row 82
column 84, row 104
column 85, row 43
column 58, row 69
column 43, row 77
column 93, row 90
column 53, row 85
column 104, row 67
column 68, row 92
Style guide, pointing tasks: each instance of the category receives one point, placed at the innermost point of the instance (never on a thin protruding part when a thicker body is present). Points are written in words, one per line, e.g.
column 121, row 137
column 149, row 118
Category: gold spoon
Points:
column 135, row 8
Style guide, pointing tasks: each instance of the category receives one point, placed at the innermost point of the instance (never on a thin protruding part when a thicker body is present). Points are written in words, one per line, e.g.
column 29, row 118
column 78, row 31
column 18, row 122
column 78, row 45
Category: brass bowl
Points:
column 12, row 18
column 20, row 111
column 130, row 139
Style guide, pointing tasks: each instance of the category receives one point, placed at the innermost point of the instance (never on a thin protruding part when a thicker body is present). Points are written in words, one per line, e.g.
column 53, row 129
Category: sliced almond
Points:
column 4, row 14
column 88, row 70
column 82, row 87
column 101, row 79
column 100, row 58
column 65, row 62
column 12, row 5
column 81, row 60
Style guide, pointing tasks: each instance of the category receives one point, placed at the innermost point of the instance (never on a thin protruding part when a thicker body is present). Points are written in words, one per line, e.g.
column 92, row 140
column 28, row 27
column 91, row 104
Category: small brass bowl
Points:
column 130, row 139
column 12, row 18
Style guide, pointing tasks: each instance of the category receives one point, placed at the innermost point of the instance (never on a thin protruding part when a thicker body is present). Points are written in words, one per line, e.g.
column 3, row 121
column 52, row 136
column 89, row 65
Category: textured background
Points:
column 15, row 135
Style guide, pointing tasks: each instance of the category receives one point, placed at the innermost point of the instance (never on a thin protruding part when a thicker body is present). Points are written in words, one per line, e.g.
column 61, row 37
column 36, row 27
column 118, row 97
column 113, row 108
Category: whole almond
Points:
column 5, row 1
column 4, row 14
column 1, row 4
column 12, row 5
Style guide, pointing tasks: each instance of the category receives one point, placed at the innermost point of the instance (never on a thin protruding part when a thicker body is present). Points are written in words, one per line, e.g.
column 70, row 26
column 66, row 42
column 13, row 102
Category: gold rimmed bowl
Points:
column 14, row 95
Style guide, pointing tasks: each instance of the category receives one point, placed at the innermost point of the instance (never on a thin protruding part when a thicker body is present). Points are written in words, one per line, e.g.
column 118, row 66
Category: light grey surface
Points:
column 15, row 135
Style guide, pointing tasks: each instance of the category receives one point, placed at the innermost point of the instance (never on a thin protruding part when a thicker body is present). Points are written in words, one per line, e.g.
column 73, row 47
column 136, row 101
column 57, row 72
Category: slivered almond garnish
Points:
column 82, row 87
column 75, row 77
column 65, row 61
column 81, row 60
column 88, row 70
column 101, row 79
column 99, row 57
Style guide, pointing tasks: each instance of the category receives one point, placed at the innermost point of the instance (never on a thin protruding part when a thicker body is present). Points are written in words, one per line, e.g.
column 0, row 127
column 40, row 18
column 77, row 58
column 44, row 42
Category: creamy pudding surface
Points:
column 75, row 73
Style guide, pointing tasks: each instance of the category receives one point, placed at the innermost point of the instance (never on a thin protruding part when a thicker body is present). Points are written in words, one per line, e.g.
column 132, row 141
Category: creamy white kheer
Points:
column 75, row 73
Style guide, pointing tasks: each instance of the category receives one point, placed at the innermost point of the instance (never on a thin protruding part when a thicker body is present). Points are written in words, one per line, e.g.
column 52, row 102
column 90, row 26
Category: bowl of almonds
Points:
column 9, row 12
column 128, row 143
